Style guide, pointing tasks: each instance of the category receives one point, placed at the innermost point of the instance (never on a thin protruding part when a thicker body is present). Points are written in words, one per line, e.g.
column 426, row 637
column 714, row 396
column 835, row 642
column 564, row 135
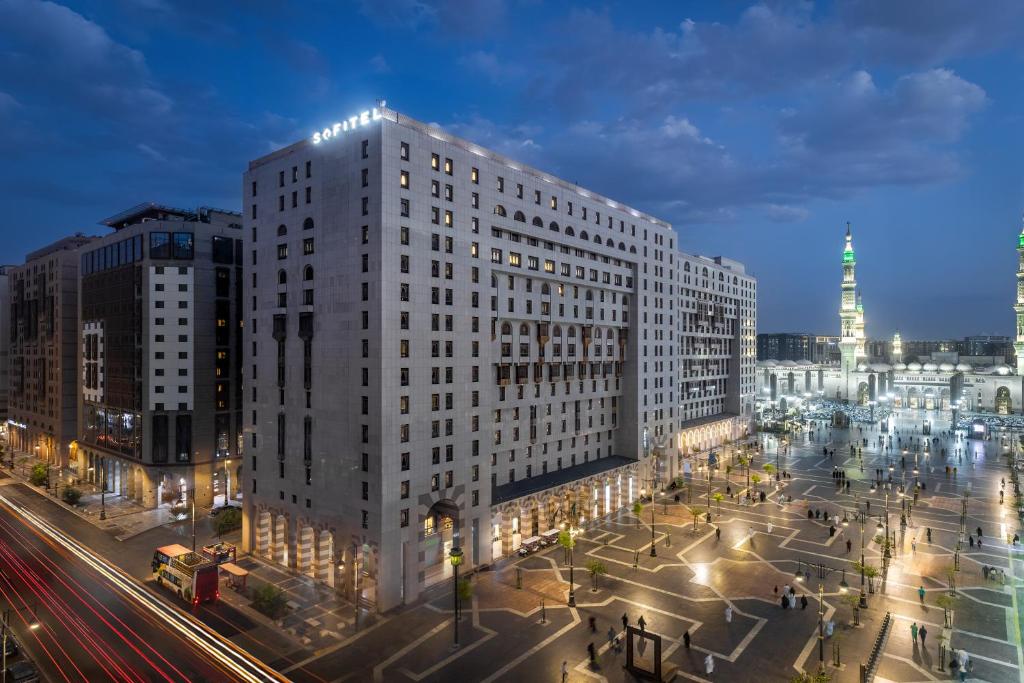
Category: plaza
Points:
column 508, row 632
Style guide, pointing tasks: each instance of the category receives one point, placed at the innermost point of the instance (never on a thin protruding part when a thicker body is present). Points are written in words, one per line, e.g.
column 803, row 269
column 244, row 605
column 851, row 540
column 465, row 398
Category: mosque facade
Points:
column 948, row 384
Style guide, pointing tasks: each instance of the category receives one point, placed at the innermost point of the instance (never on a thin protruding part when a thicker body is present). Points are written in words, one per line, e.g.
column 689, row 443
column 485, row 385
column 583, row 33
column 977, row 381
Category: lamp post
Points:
column 823, row 571
column 570, row 529
column 103, row 492
column 455, row 555
column 227, row 482
column 654, row 552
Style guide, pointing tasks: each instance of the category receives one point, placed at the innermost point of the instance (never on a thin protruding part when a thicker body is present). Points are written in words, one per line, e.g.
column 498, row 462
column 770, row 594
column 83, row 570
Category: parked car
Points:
column 217, row 510
column 22, row 672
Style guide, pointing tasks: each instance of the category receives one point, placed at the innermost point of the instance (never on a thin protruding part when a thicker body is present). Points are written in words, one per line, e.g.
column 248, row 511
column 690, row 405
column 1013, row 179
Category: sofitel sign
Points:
column 351, row 123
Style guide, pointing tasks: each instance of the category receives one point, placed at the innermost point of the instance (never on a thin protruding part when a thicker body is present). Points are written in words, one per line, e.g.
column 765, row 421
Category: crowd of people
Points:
column 823, row 409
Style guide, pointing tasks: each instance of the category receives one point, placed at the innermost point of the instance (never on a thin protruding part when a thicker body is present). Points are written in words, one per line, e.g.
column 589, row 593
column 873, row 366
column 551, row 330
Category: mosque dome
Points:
column 929, row 367
column 947, row 367
column 914, row 367
column 963, row 367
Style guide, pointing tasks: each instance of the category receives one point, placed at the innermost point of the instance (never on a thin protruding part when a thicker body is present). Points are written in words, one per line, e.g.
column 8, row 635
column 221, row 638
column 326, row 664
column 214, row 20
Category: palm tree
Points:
column 696, row 512
column 718, row 499
column 596, row 569
column 852, row 600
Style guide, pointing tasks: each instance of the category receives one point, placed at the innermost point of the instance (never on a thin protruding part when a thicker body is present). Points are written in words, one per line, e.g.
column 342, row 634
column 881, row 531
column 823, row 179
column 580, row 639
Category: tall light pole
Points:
column 227, row 482
column 103, row 491
column 823, row 571
column 455, row 555
column 654, row 552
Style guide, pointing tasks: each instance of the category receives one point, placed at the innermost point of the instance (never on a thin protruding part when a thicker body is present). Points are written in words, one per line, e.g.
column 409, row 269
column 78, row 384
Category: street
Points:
column 81, row 619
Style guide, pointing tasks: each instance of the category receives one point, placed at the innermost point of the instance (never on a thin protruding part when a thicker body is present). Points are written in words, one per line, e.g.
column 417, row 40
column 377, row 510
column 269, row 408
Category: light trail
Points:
column 221, row 650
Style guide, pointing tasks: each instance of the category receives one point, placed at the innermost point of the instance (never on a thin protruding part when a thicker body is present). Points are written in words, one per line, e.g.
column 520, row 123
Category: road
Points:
column 82, row 619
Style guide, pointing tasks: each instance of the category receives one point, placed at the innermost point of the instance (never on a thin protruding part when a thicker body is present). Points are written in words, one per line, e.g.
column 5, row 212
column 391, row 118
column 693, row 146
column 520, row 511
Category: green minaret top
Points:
column 1020, row 238
column 848, row 256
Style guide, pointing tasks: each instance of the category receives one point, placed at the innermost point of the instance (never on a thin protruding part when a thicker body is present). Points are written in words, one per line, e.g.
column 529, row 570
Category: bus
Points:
column 193, row 577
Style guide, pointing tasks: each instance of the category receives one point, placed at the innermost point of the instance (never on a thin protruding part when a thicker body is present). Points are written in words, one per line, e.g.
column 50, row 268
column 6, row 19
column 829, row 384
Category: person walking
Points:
column 770, row 527
column 641, row 623
column 718, row 533
column 592, row 653
column 593, row 624
column 929, row 533
column 913, row 546
column 625, row 621
column 970, row 539
column 921, row 633
column 803, row 602
column 913, row 632
column 979, row 541
column 728, row 614
column 709, row 664
column 686, row 639
column 849, row 546
column 565, row 671
column 750, row 532
column 611, row 636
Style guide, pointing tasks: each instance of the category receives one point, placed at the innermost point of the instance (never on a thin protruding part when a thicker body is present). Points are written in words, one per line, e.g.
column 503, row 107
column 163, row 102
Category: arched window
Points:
column 307, row 224
column 632, row 249
column 282, row 230
column 597, row 333
column 557, row 332
column 524, row 330
column 307, row 273
column 609, row 243
column 545, row 289
column 686, row 267
column 572, row 332
column 506, row 328
column 721, row 277
column 519, row 216
column 553, row 226
column 597, row 238
column 584, row 235
column 589, row 295
column 622, row 247
column 735, row 280
column 282, row 277
column 705, row 273
column 569, row 231
column 538, row 221
column 500, row 210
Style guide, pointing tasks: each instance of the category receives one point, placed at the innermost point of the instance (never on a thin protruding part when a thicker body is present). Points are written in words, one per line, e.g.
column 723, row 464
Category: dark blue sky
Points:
column 757, row 130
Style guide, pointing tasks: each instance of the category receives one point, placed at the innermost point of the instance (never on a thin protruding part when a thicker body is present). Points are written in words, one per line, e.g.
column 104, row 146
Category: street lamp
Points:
column 823, row 571
column 654, row 553
column 103, row 495
column 455, row 556
column 569, row 529
column 227, row 482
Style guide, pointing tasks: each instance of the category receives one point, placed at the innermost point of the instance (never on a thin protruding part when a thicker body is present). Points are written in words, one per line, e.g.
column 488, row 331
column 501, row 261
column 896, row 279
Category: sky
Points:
column 757, row 130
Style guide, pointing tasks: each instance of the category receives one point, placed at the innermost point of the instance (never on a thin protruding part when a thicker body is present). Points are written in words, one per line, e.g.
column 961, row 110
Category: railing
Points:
column 867, row 671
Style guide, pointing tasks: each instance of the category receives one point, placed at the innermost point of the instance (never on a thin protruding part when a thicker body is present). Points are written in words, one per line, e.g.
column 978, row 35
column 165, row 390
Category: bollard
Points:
column 543, row 612
column 835, row 653
column 519, row 578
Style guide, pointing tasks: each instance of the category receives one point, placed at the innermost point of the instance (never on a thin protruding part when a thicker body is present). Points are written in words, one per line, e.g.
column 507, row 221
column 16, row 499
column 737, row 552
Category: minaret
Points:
column 858, row 331
column 897, row 349
column 1018, row 307
column 848, row 314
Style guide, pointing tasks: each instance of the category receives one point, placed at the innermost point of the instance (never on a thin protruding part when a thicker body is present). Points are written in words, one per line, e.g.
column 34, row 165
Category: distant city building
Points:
column 160, row 353
column 926, row 375
column 42, row 396
column 797, row 346
column 448, row 348
column 5, row 342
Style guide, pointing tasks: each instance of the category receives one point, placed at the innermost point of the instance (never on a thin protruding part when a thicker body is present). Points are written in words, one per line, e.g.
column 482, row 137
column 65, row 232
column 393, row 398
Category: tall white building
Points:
column 449, row 348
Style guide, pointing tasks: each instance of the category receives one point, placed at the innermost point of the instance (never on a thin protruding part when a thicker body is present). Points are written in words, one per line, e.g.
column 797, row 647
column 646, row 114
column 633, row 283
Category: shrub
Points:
column 227, row 521
column 72, row 495
column 269, row 600
column 38, row 476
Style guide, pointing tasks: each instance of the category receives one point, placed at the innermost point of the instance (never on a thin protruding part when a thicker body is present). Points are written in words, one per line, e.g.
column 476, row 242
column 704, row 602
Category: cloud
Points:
column 8, row 103
column 491, row 66
column 84, row 68
column 468, row 19
column 151, row 153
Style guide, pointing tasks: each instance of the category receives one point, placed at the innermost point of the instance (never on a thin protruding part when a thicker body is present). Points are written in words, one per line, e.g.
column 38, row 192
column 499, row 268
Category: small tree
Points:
column 696, row 512
column 270, row 600
column 870, row 572
column 815, row 677
column 637, row 509
column 38, row 476
column 756, row 478
column 227, row 521
column 769, row 469
column 71, row 495
column 852, row 600
column 947, row 603
column 951, row 578
column 567, row 542
column 596, row 569
column 718, row 499
column 728, row 471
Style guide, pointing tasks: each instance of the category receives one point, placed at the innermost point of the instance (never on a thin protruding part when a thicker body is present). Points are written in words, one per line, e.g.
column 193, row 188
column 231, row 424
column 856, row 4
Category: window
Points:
column 403, row 151
column 474, row 177
column 448, row 166
column 159, row 245
column 403, row 180
column 404, row 207
column 282, row 251
column 435, row 161
column 307, row 246
column 403, row 234
column 366, row 149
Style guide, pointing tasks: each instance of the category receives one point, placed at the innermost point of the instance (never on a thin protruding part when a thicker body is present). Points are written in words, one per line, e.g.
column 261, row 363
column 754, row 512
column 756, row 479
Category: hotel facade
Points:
column 445, row 347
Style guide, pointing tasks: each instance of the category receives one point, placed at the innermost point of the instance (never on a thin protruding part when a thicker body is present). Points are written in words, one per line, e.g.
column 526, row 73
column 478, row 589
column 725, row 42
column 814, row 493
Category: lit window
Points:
column 403, row 180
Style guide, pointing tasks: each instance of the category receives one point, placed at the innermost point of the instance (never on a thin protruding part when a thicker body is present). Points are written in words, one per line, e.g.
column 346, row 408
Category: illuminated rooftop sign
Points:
column 360, row 120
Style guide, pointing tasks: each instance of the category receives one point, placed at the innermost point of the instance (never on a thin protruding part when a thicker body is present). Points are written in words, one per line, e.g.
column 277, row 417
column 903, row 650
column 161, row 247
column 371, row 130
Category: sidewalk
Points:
column 124, row 518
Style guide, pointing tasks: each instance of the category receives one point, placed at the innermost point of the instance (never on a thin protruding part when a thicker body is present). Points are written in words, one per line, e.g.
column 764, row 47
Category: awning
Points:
column 234, row 569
